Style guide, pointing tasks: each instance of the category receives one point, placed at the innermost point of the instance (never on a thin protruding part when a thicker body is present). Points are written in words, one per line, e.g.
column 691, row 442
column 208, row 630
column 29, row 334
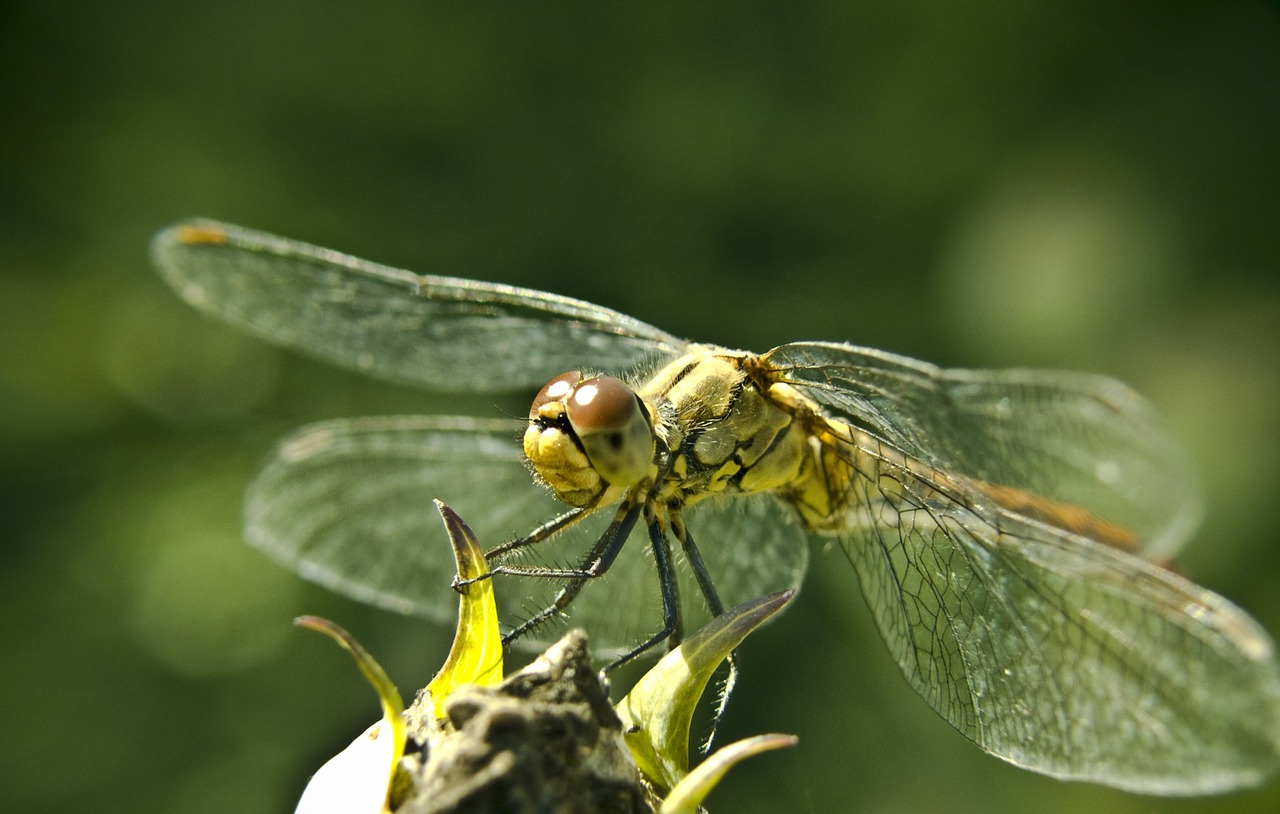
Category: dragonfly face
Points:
column 1007, row 528
column 589, row 439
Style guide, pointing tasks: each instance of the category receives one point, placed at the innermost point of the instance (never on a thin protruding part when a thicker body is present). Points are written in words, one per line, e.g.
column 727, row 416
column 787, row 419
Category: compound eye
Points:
column 555, row 390
column 600, row 405
column 613, row 428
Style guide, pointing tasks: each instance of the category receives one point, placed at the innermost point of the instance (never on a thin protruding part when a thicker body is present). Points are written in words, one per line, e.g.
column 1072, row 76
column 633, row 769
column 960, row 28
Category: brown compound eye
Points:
column 555, row 390
column 613, row 428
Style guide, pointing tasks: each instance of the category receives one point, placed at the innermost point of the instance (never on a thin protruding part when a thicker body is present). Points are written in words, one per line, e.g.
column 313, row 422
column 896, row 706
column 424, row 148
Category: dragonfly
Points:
column 1011, row 530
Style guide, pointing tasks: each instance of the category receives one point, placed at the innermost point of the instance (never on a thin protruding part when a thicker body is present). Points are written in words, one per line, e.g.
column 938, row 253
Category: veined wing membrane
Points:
column 1052, row 650
column 1064, row 655
column 440, row 332
column 345, row 503
column 1078, row 439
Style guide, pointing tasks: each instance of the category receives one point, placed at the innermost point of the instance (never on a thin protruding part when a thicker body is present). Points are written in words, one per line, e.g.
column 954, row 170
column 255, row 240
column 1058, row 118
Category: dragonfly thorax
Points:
column 724, row 433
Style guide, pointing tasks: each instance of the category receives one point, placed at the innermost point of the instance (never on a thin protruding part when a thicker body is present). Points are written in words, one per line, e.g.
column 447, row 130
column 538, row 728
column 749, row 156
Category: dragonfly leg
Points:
column 539, row 534
column 671, row 622
column 596, row 563
column 703, row 576
column 700, row 572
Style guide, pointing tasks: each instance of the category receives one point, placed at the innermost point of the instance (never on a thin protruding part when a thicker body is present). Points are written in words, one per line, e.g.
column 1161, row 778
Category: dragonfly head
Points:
column 586, row 435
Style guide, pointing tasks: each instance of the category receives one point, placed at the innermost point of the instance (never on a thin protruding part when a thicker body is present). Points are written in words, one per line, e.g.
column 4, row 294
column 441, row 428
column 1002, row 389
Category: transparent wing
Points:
column 1049, row 649
column 1063, row 655
column 347, row 504
column 1079, row 439
column 445, row 333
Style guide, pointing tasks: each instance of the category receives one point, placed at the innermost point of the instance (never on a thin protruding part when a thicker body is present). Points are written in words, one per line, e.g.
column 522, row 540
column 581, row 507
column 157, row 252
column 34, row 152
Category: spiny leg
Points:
column 556, row 524
column 703, row 576
column 700, row 572
column 671, row 622
column 553, row 526
column 595, row 564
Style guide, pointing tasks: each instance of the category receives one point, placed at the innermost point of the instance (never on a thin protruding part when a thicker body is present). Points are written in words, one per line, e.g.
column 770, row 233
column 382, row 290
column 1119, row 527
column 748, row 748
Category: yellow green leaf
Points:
column 357, row 779
column 689, row 793
column 476, row 655
column 657, row 713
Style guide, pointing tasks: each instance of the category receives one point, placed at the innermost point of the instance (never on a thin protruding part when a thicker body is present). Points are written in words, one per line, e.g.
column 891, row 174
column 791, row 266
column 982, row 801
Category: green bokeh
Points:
column 1091, row 185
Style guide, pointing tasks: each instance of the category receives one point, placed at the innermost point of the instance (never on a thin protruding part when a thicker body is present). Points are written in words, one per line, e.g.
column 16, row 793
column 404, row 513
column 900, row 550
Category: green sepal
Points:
column 658, row 712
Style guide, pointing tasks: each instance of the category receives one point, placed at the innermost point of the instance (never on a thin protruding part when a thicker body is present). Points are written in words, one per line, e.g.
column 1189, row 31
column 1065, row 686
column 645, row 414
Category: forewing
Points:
column 1081, row 440
column 441, row 332
column 1063, row 655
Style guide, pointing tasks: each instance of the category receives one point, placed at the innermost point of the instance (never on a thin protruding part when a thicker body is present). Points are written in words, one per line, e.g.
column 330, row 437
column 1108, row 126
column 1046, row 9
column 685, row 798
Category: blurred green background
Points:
column 1084, row 184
